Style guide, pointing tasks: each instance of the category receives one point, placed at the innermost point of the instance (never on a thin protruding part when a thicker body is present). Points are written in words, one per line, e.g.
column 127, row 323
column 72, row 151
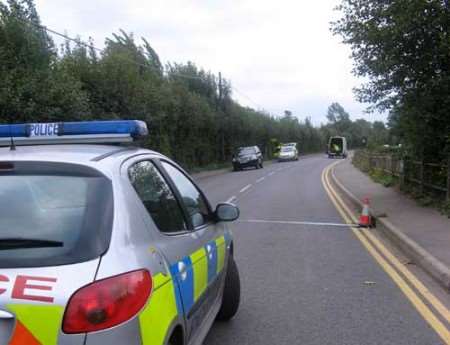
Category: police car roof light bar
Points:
column 88, row 132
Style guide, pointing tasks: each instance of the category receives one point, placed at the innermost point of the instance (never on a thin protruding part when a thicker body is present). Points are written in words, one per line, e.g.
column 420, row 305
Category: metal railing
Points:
column 429, row 177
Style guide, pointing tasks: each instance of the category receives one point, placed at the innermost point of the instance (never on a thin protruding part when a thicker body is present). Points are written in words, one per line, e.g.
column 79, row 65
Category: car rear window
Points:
column 247, row 151
column 53, row 214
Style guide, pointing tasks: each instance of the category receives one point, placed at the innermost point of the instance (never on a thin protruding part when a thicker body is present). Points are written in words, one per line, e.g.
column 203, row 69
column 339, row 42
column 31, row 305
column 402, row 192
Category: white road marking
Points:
column 260, row 179
column 270, row 174
column 245, row 188
column 231, row 199
column 290, row 222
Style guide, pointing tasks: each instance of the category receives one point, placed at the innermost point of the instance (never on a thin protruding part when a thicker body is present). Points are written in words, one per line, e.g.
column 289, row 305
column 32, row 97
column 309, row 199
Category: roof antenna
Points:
column 13, row 145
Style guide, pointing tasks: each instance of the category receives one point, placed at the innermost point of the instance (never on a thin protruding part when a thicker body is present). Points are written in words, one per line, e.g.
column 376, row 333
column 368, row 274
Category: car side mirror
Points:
column 226, row 212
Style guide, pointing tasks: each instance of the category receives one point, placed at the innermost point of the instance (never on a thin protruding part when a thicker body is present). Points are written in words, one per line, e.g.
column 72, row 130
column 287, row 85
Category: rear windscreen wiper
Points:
column 19, row 243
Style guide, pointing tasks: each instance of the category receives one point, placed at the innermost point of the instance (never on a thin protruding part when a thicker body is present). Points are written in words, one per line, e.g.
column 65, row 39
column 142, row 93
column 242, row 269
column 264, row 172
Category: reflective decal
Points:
column 200, row 267
column 42, row 321
column 3, row 279
column 221, row 250
column 211, row 251
column 22, row 336
column 157, row 317
column 185, row 282
column 43, row 129
column 30, row 288
column 32, row 283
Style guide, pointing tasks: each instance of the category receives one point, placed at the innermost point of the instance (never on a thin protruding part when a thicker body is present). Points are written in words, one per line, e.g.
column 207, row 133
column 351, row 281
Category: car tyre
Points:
column 231, row 293
column 261, row 165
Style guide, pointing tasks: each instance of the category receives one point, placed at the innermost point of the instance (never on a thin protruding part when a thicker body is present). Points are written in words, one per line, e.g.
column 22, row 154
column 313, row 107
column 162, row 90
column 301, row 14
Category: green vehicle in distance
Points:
column 337, row 147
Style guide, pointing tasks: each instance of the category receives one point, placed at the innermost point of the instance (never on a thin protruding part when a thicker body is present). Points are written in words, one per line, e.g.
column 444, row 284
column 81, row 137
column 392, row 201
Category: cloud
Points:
column 280, row 54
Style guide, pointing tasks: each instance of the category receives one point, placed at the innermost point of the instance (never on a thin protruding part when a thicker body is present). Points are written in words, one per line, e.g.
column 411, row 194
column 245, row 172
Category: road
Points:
column 306, row 283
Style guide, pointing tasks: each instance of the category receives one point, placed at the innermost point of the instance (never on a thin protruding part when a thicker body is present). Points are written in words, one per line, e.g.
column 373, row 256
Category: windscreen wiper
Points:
column 19, row 243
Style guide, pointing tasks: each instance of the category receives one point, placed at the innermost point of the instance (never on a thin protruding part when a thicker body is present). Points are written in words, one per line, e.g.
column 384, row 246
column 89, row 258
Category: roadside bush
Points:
column 445, row 208
column 383, row 178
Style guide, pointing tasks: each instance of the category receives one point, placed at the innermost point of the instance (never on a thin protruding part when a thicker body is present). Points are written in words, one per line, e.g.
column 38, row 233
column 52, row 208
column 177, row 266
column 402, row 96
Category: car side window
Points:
column 157, row 197
column 195, row 204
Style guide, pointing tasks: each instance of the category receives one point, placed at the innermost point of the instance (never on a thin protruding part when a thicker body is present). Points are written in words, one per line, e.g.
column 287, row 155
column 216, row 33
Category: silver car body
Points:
column 288, row 152
column 187, row 267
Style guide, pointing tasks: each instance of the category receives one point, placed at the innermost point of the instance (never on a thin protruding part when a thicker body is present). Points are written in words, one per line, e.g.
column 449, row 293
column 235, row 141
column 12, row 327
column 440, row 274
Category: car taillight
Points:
column 107, row 303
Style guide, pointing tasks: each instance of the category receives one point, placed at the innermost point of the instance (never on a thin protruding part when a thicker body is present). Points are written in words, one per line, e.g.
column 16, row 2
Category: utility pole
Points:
column 220, row 87
column 222, row 119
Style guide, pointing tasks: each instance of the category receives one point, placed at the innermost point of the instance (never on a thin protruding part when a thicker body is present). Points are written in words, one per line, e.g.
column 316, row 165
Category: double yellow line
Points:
column 405, row 280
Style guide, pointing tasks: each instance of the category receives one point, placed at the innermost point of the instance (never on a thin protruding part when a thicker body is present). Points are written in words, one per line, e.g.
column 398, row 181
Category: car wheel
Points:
column 261, row 165
column 231, row 293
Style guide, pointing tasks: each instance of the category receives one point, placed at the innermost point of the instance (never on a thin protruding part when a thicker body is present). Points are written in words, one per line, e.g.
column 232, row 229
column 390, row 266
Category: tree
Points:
column 338, row 117
column 191, row 114
column 32, row 84
column 402, row 48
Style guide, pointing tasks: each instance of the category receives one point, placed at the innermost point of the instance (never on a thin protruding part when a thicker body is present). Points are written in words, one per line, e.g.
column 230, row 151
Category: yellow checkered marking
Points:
column 43, row 321
column 200, row 267
column 220, row 244
column 156, row 318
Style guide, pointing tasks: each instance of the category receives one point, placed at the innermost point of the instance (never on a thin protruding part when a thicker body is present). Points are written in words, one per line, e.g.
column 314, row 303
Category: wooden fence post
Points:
column 402, row 172
column 422, row 176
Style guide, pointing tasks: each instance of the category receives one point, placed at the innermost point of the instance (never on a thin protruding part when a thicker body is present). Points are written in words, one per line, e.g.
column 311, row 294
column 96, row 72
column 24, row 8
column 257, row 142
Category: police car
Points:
column 105, row 243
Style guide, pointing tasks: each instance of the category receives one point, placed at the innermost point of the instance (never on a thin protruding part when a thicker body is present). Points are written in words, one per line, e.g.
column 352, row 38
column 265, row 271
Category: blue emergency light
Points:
column 72, row 132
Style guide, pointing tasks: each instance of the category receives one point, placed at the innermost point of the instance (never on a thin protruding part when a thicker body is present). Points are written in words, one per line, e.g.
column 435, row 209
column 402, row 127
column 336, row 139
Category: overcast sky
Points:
column 278, row 54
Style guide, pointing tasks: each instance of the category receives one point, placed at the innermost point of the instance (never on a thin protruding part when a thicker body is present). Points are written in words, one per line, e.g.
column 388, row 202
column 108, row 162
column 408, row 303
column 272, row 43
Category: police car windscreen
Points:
column 52, row 219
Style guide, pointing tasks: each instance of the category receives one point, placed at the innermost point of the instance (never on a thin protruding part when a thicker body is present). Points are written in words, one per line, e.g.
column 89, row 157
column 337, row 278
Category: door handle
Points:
column 5, row 315
column 182, row 268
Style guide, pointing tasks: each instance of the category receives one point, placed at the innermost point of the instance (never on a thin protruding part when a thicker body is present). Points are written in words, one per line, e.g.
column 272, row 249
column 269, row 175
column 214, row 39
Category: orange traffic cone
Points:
column 364, row 219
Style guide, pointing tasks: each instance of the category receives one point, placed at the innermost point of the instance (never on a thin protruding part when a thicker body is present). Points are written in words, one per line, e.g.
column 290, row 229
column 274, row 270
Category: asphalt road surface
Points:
column 306, row 283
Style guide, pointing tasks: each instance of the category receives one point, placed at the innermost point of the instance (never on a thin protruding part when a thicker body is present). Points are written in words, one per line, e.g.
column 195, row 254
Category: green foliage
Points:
column 190, row 112
column 402, row 48
column 379, row 176
column 33, row 86
column 445, row 208
column 359, row 133
column 361, row 161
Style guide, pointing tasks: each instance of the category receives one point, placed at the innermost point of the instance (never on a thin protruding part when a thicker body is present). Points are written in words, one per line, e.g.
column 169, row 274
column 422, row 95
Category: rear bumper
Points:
column 336, row 154
column 285, row 159
column 251, row 163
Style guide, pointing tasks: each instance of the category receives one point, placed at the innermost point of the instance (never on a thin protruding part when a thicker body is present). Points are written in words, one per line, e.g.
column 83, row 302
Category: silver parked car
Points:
column 288, row 153
column 107, row 244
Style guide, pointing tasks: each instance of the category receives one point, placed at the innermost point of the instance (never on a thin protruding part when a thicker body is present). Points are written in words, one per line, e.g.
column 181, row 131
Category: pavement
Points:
column 305, row 276
column 423, row 232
